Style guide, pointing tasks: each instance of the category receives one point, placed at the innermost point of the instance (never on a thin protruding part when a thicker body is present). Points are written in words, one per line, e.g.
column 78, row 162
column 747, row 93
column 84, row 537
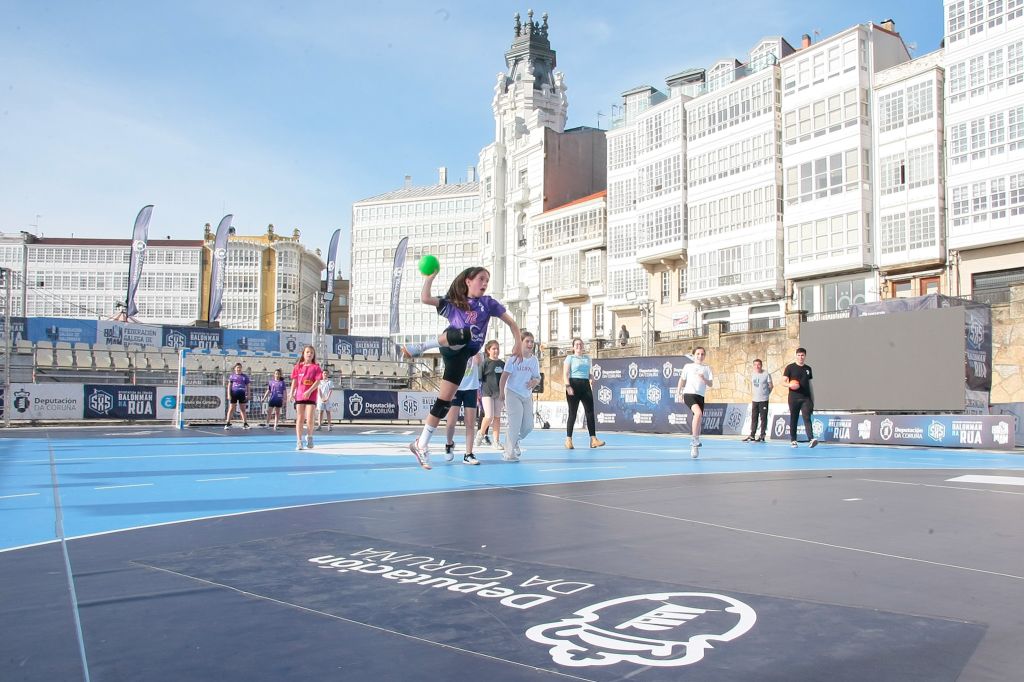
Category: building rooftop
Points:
column 424, row 192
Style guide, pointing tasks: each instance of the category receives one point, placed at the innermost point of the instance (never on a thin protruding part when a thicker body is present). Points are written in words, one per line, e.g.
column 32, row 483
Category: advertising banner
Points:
column 140, row 238
column 251, row 340
column 332, row 262
column 60, row 329
column 193, row 337
column 639, row 394
column 415, row 404
column 294, row 342
column 936, row 431
column 201, row 402
column 19, row 329
column 370, row 346
column 128, row 335
column 46, row 401
column 394, row 324
column 119, row 402
column 218, row 270
column 359, row 404
column 978, row 332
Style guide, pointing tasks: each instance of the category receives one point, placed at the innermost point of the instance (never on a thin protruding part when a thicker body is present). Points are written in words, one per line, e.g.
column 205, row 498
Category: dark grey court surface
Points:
column 854, row 575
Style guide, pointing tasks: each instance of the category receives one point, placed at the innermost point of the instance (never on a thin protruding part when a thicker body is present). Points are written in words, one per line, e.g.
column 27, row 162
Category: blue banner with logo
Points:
column 332, row 262
column 119, row 402
column 370, row 346
column 639, row 394
column 60, row 329
column 19, row 329
column 218, row 269
column 936, row 431
column 140, row 238
column 193, row 337
column 251, row 340
column 360, row 404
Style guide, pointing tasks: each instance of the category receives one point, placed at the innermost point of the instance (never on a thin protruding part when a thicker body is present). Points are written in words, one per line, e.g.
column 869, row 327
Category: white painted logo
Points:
column 355, row 404
column 885, row 429
column 139, row 245
column 654, row 395
column 604, row 395
column 1001, row 433
column 633, row 370
column 596, row 372
column 175, row 339
column 665, row 629
column 864, row 429
column 219, row 254
column 936, row 431
column 101, row 402
column 780, row 427
column 666, row 370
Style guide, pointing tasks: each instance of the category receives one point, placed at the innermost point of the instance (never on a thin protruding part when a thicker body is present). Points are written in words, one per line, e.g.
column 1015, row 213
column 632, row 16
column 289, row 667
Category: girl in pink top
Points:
column 305, row 381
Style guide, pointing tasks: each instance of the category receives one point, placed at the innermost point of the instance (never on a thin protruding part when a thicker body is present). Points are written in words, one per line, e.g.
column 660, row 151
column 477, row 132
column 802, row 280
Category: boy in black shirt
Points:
column 801, row 400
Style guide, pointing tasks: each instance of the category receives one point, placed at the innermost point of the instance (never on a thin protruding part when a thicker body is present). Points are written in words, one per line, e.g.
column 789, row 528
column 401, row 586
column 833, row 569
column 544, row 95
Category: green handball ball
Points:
column 429, row 265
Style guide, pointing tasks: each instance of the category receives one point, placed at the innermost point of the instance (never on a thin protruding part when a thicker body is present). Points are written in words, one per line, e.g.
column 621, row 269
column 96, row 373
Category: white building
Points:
column 984, row 55
column 88, row 278
column 827, row 150
column 734, row 202
column 443, row 220
column 532, row 166
column 908, row 167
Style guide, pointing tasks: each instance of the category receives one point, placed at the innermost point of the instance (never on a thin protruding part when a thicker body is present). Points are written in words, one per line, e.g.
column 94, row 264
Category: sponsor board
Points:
column 46, row 401
column 192, row 337
column 251, row 340
column 19, row 329
column 359, row 404
column 103, row 401
column 589, row 625
column 938, row 431
column 61, row 330
column 639, row 394
column 370, row 346
column 415, row 404
column 127, row 335
column 294, row 342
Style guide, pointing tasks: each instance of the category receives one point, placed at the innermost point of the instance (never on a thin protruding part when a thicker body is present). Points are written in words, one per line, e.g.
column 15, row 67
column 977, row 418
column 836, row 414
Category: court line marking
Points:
column 378, row 628
column 580, row 469
column 853, row 499
column 995, row 480
column 776, row 536
column 7, row 497
column 225, row 478
column 311, row 473
column 946, row 487
column 126, row 485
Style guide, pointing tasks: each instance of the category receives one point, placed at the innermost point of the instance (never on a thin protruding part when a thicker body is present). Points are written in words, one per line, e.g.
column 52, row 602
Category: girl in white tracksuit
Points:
column 517, row 382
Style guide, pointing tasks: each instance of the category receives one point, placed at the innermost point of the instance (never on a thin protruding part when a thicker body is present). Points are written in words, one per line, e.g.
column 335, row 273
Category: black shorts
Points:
column 305, row 402
column 455, row 362
column 238, row 398
column 466, row 399
column 692, row 399
column 275, row 402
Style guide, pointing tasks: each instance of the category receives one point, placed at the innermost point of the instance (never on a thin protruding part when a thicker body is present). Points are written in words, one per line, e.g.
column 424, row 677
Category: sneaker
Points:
column 517, row 451
column 468, row 458
column 227, row 425
column 329, row 427
column 694, row 452
column 274, row 427
column 813, row 443
column 487, row 439
column 309, row 442
column 792, row 444
column 698, row 444
column 245, row 425
column 498, row 445
column 759, row 439
column 318, row 427
column 449, row 452
column 298, row 445
column 747, row 439
column 479, row 439
column 412, row 350
column 422, row 454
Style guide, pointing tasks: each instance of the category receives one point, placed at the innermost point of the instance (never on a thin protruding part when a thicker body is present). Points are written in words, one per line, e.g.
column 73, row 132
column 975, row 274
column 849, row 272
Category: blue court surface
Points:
column 208, row 553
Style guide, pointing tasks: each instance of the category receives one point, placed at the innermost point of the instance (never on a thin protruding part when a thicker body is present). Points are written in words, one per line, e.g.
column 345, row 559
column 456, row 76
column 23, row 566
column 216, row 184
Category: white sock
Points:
column 424, row 439
column 416, row 349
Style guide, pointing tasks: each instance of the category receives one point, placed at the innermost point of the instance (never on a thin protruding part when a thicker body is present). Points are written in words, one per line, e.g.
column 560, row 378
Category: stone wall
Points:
column 732, row 354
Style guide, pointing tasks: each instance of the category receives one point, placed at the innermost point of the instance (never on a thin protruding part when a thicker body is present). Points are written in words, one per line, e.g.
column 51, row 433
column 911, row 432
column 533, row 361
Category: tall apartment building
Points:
column 532, row 166
column 909, row 171
column 647, row 206
column 88, row 278
column 827, row 158
column 734, row 201
column 984, row 55
column 441, row 219
column 270, row 281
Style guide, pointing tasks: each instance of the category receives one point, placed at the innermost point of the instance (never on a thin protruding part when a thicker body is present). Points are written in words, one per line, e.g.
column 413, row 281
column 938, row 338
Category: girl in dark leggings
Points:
column 578, row 389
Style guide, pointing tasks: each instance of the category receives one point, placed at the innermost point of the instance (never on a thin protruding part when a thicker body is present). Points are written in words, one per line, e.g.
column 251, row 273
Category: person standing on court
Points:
column 274, row 397
column 761, row 386
column 466, row 400
column 579, row 389
column 306, row 377
column 521, row 375
column 694, row 381
column 491, row 395
column 801, row 397
column 238, row 394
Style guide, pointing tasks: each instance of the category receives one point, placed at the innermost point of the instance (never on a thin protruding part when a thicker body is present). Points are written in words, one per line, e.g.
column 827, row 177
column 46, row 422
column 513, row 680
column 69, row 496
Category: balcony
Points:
column 569, row 292
column 665, row 253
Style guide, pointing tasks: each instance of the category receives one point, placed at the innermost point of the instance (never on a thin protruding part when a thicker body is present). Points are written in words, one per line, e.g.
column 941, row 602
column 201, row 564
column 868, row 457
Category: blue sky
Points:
column 288, row 112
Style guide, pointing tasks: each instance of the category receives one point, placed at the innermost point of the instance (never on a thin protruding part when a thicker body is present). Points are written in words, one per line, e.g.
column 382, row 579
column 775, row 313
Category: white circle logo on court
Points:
column 666, row 629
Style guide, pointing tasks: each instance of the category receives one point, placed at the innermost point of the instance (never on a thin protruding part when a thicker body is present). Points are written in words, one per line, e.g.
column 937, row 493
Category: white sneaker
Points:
column 517, row 451
column 422, row 454
column 298, row 446
column 498, row 445
column 813, row 443
column 309, row 442
column 695, row 452
column 479, row 439
column 697, row 443
column 793, row 444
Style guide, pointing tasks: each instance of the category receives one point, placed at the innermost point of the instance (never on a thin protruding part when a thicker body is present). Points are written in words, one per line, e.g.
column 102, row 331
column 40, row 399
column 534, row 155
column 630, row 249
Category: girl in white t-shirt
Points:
column 324, row 401
column 694, row 381
column 517, row 382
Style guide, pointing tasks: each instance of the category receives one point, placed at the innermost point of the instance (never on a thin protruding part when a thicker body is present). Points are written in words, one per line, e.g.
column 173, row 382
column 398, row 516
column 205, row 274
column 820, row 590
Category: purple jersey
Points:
column 481, row 310
column 238, row 383
column 277, row 388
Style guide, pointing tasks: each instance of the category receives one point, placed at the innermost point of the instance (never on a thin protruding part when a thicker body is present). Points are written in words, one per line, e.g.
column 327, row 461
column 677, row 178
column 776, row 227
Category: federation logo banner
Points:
column 119, row 402
column 140, row 239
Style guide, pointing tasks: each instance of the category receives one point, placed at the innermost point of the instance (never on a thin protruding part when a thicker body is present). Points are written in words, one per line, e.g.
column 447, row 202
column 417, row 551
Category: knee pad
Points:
column 440, row 408
column 458, row 337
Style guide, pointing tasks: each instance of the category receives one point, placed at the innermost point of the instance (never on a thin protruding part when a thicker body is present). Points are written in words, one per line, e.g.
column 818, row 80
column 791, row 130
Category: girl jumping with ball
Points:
column 468, row 310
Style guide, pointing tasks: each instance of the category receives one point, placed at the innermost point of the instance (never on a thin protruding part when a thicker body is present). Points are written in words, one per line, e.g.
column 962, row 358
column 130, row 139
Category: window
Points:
column 599, row 320
column 552, row 325
column 920, row 102
column 893, row 233
column 666, row 287
column 890, row 111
